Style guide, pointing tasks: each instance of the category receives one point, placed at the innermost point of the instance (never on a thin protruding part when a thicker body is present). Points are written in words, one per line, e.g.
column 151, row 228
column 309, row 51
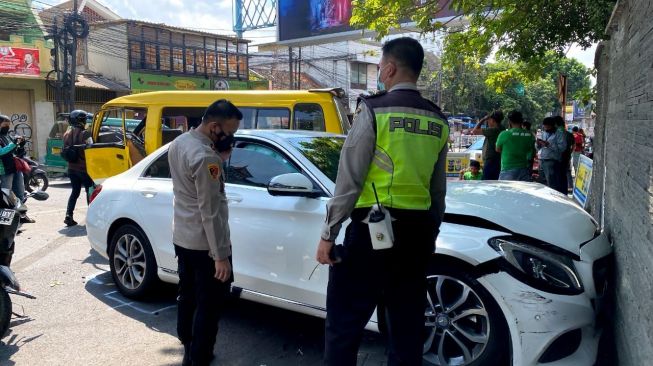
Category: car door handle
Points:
column 148, row 193
column 233, row 198
column 119, row 156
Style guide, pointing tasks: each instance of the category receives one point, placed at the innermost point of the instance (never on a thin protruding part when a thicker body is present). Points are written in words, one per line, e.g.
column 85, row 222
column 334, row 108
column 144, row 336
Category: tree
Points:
column 522, row 30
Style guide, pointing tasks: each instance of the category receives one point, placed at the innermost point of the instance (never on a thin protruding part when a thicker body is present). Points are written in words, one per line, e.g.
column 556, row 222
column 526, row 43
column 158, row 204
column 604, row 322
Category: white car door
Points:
column 153, row 197
column 273, row 238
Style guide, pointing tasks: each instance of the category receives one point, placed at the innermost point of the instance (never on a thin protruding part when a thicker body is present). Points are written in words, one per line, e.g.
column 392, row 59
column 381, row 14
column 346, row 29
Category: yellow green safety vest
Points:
column 410, row 134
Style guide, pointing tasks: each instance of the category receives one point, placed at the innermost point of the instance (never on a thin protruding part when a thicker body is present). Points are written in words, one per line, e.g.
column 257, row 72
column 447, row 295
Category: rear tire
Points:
column 463, row 320
column 132, row 262
column 5, row 312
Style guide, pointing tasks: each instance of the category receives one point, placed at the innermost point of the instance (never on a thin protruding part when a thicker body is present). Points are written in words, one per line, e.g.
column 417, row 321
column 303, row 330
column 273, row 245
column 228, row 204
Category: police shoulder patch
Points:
column 214, row 171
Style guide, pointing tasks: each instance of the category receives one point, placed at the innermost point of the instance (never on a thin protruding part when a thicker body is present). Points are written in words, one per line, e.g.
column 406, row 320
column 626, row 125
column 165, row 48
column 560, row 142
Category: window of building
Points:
column 164, row 58
column 164, row 36
column 211, row 63
column 222, row 64
column 149, row 34
column 190, row 61
column 177, row 39
column 308, row 117
column 200, row 59
column 233, row 65
column 358, row 75
column 135, row 55
column 178, row 59
column 150, row 56
column 242, row 66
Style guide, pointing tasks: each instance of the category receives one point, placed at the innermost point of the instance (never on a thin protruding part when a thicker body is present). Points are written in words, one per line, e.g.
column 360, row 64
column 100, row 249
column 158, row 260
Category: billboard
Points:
column 141, row 82
column 19, row 61
column 301, row 21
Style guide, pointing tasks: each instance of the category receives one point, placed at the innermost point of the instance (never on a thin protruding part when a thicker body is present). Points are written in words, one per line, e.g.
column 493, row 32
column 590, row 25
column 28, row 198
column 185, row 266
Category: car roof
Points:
column 286, row 134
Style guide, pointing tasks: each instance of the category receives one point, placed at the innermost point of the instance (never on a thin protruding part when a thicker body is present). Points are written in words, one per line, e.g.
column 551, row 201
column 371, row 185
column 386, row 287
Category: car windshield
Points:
column 323, row 152
column 478, row 144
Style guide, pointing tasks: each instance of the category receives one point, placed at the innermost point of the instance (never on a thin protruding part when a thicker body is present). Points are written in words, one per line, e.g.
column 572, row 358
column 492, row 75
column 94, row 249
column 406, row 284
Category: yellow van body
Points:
column 164, row 115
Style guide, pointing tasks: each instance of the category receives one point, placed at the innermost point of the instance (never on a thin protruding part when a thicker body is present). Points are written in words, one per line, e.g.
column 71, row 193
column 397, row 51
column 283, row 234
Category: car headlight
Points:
column 539, row 268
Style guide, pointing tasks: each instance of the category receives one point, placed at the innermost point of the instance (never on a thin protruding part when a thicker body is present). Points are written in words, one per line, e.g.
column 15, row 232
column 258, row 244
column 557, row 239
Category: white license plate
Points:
column 7, row 217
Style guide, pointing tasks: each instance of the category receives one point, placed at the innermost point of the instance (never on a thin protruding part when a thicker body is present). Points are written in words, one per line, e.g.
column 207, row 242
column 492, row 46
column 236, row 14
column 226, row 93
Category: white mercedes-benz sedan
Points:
column 518, row 276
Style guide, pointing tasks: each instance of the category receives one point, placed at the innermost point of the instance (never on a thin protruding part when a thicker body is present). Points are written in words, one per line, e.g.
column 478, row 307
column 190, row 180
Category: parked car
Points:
column 519, row 270
column 167, row 114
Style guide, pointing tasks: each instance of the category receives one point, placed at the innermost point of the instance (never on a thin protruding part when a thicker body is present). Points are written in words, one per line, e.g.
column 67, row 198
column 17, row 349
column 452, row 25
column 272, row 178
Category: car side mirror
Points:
column 292, row 184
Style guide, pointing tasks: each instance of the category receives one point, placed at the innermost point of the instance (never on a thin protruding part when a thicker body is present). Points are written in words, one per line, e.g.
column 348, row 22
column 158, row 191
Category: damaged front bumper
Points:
column 554, row 329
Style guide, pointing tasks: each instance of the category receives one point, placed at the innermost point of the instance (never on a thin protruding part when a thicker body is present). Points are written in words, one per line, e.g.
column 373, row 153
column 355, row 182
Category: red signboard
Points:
column 21, row 61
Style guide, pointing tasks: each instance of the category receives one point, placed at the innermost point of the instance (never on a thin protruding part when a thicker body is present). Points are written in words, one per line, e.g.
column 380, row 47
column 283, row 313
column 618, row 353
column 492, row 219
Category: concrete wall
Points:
column 108, row 52
column 624, row 166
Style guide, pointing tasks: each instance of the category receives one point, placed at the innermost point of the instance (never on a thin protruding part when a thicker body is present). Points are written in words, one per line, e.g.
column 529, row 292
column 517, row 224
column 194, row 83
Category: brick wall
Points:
column 624, row 152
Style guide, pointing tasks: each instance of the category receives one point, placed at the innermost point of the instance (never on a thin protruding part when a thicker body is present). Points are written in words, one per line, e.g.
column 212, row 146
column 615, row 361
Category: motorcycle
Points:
column 10, row 211
column 36, row 179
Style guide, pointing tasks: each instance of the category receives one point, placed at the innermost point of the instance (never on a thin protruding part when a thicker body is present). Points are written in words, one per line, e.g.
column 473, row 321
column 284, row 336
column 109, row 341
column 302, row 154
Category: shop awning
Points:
column 99, row 82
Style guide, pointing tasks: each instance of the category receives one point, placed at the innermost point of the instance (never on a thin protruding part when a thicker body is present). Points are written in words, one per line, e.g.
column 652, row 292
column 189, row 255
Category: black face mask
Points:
column 4, row 130
column 224, row 144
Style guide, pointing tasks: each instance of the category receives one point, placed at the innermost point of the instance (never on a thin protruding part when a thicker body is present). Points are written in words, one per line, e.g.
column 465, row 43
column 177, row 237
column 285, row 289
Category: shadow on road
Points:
column 11, row 344
column 250, row 333
column 73, row 231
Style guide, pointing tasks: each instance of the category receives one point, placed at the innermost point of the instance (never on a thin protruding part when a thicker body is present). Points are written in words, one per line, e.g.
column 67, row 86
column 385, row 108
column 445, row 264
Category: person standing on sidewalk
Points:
column 491, row 158
column 200, row 230
column 74, row 143
column 552, row 145
column 579, row 146
column 517, row 148
column 7, row 147
column 396, row 150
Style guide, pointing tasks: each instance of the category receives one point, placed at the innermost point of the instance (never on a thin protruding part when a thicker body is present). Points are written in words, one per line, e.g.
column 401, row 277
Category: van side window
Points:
column 115, row 121
column 308, row 117
column 265, row 118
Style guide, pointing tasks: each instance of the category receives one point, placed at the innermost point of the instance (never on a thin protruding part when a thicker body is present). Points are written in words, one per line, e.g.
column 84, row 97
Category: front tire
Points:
column 5, row 312
column 132, row 262
column 463, row 324
column 37, row 182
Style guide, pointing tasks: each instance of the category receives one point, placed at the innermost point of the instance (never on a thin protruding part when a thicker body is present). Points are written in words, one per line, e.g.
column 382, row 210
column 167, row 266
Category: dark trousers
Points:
column 394, row 279
column 491, row 169
column 553, row 174
column 200, row 303
column 77, row 180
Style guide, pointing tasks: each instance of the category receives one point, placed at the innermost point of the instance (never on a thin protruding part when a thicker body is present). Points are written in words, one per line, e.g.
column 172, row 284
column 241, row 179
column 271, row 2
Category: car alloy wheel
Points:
column 457, row 324
column 129, row 261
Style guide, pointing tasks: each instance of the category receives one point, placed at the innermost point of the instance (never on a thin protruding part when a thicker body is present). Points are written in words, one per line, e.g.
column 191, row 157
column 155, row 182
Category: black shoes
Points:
column 24, row 219
column 69, row 221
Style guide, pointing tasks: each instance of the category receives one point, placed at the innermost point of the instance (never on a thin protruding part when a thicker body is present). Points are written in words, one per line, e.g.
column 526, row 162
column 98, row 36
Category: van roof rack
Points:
column 338, row 92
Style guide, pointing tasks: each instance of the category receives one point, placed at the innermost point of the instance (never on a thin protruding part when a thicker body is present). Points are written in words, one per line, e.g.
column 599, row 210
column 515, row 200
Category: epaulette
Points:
column 377, row 94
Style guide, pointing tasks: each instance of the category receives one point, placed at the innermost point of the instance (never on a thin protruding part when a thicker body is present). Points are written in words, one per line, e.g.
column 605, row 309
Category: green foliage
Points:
column 522, row 30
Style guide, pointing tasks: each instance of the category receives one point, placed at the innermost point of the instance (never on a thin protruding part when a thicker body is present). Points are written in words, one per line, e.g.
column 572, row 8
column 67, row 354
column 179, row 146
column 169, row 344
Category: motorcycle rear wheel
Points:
column 5, row 312
column 37, row 182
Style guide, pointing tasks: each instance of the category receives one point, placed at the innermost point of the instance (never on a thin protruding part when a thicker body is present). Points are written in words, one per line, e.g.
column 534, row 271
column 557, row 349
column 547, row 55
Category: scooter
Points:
column 10, row 208
column 37, row 178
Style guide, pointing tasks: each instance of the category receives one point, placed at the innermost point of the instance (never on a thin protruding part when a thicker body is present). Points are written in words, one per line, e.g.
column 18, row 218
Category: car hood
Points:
column 529, row 209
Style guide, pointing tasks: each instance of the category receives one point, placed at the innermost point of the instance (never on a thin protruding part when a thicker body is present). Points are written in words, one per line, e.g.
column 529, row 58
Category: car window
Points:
column 255, row 165
column 159, row 168
column 308, row 117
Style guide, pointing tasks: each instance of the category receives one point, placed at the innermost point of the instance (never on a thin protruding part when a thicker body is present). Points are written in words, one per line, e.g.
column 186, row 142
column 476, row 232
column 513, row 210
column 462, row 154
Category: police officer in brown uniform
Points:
column 201, row 228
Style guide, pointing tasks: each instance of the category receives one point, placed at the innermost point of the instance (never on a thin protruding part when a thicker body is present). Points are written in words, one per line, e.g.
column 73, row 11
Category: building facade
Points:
column 24, row 65
column 150, row 57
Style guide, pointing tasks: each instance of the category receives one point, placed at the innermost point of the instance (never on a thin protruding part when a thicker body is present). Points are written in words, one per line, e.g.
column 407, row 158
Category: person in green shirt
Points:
column 491, row 158
column 516, row 146
column 473, row 173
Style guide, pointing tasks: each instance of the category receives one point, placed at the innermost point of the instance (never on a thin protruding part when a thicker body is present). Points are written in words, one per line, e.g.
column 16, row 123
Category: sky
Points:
column 216, row 16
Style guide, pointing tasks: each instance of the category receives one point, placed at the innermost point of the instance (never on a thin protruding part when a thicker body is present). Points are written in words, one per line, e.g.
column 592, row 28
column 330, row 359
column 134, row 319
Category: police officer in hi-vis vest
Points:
column 395, row 156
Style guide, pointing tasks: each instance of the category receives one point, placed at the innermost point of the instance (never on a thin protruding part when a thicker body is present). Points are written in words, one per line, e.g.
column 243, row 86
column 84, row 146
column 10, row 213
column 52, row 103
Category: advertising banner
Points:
column 583, row 180
column 305, row 19
column 224, row 84
column 141, row 83
column 455, row 163
column 19, row 61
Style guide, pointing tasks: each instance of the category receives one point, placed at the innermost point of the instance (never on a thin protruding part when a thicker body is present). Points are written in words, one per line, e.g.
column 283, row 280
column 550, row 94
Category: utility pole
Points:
column 291, row 83
column 73, row 66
